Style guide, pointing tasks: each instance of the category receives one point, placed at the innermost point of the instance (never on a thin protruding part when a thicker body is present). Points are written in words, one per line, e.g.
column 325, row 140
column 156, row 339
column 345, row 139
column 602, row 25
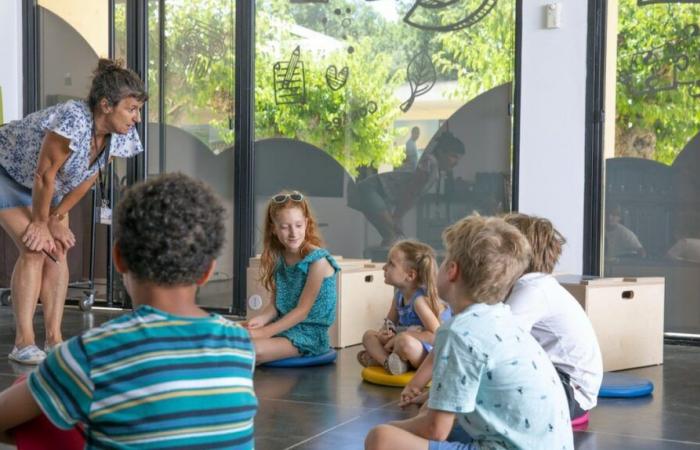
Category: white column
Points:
column 552, row 126
column 11, row 58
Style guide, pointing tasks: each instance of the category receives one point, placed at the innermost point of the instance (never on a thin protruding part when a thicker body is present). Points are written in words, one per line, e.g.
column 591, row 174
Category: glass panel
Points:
column 72, row 35
column 390, row 115
column 191, row 58
column 652, row 224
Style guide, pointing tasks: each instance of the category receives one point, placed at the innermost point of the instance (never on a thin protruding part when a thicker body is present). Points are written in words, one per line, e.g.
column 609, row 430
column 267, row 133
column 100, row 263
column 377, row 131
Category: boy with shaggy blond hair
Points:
column 554, row 317
column 489, row 375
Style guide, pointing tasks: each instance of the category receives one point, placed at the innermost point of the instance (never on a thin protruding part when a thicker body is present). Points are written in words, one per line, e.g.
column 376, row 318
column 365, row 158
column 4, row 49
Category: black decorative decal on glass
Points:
column 421, row 76
column 416, row 16
column 665, row 68
column 334, row 125
column 289, row 80
column 364, row 111
column 336, row 79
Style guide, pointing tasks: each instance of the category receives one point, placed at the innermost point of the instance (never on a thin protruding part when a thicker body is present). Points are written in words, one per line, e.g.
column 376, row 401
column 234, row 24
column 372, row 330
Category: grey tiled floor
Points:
column 331, row 408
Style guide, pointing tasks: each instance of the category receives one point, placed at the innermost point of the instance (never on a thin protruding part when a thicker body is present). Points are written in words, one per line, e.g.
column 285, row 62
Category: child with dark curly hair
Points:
column 301, row 275
column 168, row 374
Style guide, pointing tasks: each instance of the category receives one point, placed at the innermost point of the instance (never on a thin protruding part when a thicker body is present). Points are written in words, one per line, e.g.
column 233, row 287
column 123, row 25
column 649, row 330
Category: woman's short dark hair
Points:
column 111, row 80
column 169, row 229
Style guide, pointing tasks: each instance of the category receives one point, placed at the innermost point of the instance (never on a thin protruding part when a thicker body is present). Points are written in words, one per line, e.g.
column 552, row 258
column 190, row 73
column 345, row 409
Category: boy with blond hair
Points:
column 489, row 375
column 554, row 317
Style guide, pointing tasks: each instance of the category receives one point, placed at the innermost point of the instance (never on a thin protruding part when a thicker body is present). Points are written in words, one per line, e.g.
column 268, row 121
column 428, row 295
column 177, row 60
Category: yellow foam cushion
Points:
column 377, row 375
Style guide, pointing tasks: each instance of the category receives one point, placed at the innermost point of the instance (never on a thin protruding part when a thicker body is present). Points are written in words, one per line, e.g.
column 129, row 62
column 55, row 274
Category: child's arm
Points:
column 432, row 425
column 430, row 322
column 318, row 271
column 17, row 405
column 262, row 319
column 415, row 387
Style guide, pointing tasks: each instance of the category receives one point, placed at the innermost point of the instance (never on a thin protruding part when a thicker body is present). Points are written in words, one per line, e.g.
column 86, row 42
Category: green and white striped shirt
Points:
column 153, row 380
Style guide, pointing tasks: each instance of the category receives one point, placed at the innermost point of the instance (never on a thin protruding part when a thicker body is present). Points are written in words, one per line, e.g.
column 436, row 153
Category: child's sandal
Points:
column 365, row 360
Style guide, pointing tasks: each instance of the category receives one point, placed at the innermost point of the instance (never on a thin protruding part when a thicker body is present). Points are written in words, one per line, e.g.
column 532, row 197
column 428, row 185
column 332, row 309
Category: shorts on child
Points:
column 13, row 194
column 457, row 440
column 575, row 409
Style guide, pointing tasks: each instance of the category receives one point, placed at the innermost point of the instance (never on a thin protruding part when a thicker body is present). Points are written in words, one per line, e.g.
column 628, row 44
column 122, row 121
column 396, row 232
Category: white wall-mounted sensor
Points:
column 552, row 15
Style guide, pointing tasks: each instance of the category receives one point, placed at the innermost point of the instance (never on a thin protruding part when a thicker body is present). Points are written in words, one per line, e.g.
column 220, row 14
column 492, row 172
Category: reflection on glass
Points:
column 652, row 195
column 384, row 114
column 72, row 35
column 191, row 82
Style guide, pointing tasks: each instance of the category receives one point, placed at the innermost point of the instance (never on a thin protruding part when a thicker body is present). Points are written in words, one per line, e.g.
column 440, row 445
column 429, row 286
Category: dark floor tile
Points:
column 282, row 423
column 351, row 435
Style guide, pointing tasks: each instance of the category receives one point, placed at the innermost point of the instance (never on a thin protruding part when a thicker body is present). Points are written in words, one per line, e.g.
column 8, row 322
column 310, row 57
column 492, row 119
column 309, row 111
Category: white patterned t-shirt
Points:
column 499, row 382
column 21, row 140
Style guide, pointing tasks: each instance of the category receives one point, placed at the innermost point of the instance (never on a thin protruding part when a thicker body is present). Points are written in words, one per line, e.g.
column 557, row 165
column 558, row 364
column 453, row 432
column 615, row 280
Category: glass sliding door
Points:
column 652, row 197
column 391, row 116
column 70, row 37
column 190, row 123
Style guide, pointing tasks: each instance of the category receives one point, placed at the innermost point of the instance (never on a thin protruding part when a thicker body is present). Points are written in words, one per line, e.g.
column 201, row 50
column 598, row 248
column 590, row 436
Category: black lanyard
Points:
column 102, row 180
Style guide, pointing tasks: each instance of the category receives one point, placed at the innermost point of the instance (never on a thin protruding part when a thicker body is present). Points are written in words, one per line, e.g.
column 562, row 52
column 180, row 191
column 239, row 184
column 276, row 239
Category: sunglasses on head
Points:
column 294, row 196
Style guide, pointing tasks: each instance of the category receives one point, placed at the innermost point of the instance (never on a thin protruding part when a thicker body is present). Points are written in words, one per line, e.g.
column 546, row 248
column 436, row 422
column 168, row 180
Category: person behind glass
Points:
column 620, row 241
column 48, row 161
column 415, row 314
column 302, row 278
column 493, row 387
column 554, row 317
column 386, row 197
column 411, row 161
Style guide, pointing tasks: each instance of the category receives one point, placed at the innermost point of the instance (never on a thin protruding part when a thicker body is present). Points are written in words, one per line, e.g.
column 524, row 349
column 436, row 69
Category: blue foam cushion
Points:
column 620, row 385
column 304, row 361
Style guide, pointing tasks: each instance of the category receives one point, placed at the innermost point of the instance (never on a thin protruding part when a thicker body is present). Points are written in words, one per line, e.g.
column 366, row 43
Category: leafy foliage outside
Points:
column 653, row 44
column 199, row 70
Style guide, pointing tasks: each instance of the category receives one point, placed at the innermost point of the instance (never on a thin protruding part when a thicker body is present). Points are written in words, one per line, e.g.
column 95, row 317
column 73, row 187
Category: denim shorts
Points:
column 457, row 440
column 13, row 194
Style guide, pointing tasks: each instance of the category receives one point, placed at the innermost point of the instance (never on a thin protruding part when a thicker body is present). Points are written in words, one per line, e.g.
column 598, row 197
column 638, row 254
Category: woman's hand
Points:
column 62, row 234
column 38, row 237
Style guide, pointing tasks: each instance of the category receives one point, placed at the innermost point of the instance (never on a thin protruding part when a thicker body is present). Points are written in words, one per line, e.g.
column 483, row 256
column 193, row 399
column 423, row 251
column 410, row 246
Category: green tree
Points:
column 653, row 44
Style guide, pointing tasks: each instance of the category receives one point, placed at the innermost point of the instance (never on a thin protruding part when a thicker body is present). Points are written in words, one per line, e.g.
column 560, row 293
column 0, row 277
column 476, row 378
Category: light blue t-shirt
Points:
column 20, row 143
column 499, row 382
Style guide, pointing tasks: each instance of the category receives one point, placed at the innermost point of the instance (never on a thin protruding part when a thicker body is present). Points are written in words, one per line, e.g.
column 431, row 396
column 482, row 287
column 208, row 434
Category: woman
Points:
column 48, row 161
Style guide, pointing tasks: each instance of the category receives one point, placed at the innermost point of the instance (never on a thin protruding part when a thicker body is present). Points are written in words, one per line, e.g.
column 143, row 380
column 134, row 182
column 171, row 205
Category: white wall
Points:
column 11, row 57
column 552, row 126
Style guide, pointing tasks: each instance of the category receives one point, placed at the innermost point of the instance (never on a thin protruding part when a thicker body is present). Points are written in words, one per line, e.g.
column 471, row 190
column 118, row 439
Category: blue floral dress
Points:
column 310, row 336
column 20, row 144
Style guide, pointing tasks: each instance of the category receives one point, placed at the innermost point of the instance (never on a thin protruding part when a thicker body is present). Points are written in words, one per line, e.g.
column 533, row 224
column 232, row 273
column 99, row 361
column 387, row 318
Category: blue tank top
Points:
column 407, row 313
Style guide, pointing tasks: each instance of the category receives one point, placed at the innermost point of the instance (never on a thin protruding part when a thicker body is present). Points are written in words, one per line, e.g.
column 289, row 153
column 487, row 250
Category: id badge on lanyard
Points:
column 104, row 211
column 105, row 216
